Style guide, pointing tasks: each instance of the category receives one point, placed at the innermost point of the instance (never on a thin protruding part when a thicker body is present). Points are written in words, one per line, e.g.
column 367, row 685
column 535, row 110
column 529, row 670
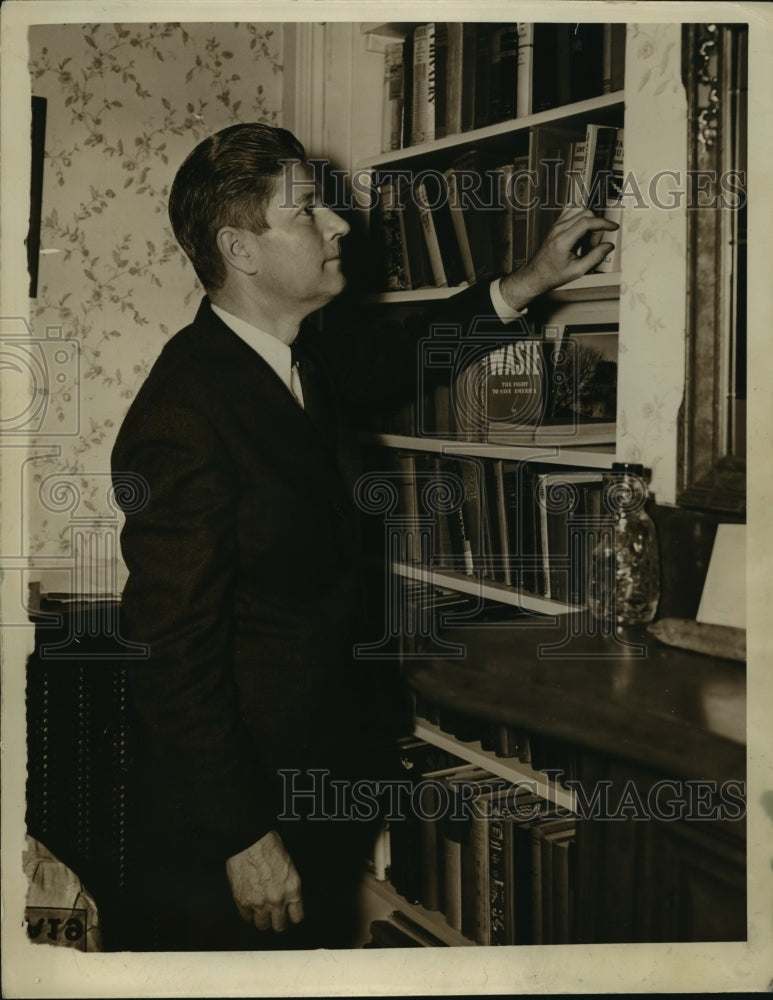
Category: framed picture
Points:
column 38, row 139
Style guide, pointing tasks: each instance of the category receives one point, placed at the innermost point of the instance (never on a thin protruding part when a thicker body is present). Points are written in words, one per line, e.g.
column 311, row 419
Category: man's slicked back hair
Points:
column 227, row 180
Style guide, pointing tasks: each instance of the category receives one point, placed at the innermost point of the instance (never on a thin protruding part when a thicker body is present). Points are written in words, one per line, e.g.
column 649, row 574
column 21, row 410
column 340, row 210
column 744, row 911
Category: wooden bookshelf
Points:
column 602, row 107
column 600, row 457
column 627, row 717
column 509, row 768
column 379, row 899
column 590, row 287
column 488, row 589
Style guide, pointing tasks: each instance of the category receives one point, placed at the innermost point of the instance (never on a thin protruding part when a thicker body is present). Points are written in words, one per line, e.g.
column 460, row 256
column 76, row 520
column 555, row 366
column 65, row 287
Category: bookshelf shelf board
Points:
column 588, row 287
column 431, row 920
column 488, row 589
column 601, row 457
column 509, row 768
column 566, row 113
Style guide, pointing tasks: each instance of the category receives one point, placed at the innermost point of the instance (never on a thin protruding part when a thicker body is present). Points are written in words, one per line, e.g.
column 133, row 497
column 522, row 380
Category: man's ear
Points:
column 238, row 248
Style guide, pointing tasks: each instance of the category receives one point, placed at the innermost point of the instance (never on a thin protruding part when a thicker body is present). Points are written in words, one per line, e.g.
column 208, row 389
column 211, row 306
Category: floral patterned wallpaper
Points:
column 653, row 293
column 125, row 104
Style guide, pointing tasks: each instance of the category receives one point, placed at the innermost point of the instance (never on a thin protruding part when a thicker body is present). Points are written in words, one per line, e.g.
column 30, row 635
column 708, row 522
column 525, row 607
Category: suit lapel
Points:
column 261, row 401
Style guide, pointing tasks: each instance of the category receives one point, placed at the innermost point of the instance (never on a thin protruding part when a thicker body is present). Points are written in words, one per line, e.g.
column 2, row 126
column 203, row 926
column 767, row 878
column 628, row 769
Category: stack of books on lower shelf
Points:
column 492, row 856
column 526, row 525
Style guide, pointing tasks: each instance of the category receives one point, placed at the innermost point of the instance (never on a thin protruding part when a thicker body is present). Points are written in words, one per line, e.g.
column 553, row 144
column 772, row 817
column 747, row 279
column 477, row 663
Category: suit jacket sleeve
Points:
column 181, row 553
column 376, row 363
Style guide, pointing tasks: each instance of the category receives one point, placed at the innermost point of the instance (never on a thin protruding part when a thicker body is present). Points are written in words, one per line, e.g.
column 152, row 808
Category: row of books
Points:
column 476, row 218
column 447, row 78
column 451, row 227
column 558, row 390
column 492, row 856
column 528, row 526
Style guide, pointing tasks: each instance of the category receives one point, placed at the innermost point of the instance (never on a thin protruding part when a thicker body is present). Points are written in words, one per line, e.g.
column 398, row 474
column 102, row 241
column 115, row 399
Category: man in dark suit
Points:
column 244, row 566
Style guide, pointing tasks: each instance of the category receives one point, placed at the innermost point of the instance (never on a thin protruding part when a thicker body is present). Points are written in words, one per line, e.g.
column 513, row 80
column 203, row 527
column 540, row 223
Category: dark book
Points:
column 441, row 80
column 454, row 69
column 580, row 56
column 505, row 740
column 482, row 86
column 416, row 757
column 431, row 844
column 435, row 197
column 523, row 526
column 613, row 58
column 470, row 194
column 391, row 237
column 407, row 89
column 472, row 508
column 469, row 64
column 504, row 72
column 494, row 542
column 413, row 233
column 537, row 68
column 509, row 809
column 459, row 875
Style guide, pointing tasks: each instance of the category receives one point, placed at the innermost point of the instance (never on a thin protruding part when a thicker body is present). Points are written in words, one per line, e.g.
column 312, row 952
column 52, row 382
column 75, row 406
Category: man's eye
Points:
column 309, row 210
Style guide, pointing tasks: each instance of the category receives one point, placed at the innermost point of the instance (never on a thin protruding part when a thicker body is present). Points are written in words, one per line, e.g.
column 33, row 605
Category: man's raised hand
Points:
column 556, row 261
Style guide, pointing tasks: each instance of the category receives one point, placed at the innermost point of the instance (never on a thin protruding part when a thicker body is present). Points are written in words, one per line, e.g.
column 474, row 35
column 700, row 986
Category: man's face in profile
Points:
column 300, row 254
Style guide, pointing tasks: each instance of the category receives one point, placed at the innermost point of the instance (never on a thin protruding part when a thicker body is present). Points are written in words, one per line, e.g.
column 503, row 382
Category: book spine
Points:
column 544, row 78
column 613, row 209
column 504, row 72
column 454, row 69
column 440, row 80
column 479, row 843
column 408, row 86
column 430, row 846
column 391, row 232
column 431, row 237
column 520, row 193
column 543, row 527
column 497, row 880
column 536, row 887
column 546, row 851
column 469, row 55
column 423, row 103
column 457, row 217
column 504, row 547
column 577, row 177
column 392, row 135
column 613, row 58
column 525, row 70
column 482, row 111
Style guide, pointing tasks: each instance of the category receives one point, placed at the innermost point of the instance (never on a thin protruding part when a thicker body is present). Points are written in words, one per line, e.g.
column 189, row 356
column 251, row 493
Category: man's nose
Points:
column 335, row 226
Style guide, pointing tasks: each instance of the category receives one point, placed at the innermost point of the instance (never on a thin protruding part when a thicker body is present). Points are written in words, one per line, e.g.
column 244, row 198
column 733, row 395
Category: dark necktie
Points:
column 317, row 400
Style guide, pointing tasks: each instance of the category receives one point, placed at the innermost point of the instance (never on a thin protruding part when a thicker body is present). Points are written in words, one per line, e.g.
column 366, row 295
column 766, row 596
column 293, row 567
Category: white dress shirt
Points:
column 274, row 352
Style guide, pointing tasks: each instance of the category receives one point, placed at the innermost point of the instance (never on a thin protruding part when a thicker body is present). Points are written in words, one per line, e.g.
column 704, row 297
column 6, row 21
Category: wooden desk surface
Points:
column 680, row 712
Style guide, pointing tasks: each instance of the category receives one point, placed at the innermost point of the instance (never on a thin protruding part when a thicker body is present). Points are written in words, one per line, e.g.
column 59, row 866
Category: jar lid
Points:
column 629, row 468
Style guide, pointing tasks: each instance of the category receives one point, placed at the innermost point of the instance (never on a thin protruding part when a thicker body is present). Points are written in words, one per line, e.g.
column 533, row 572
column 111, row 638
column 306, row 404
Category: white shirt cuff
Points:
column 502, row 309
